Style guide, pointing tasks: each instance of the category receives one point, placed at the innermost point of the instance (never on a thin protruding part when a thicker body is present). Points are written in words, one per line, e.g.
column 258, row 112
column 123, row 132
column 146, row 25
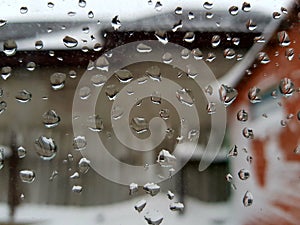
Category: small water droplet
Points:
column 233, row 152
column 178, row 11
column 139, row 125
column 2, row 22
column 164, row 114
column 71, row 13
column 95, row 123
column 289, row 53
column 84, row 92
column 229, row 178
column 57, row 80
column 248, row 133
column 249, row 159
column 215, row 41
column 9, row 47
column 98, row 47
column 153, row 217
column 156, row 97
column 21, row 152
column 244, row 174
column 6, row 72
column 233, row 10
column 167, row 58
column 39, row 45
column 154, row 73
column 210, row 57
column 263, row 58
column 102, row 63
column 161, row 37
column 208, row 5
column 90, row 14
column 53, row 175
column 191, row 16
column 77, row 189
column 133, row 188
column 70, row 42
column 45, row 148
column 242, row 115
column 140, row 205
column 82, row 3
column 115, row 23
column 166, row 159
column 189, row 37
column 297, row 149
column 79, row 143
column 185, row 53
column 176, row 206
column 27, row 176
column 23, row 96
column 158, row 6
column 185, row 97
column 23, row 10
column 143, row 48
column 151, row 188
column 284, row 10
column 75, row 175
column 246, row 7
column 31, row 66
column 209, row 15
column 111, row 92
column 211, row 108
column 229, row 53
column 286, row 87
column 251, row 26
column 3, row 106
column 177, row 26
column 253, row 95
column 124, row 76
column 248, row 199
column 1, row 158
column 227, row 94
column 276, row 15
column 50, row 119
column 198, row 55
column 84, row 165
column 50, row 4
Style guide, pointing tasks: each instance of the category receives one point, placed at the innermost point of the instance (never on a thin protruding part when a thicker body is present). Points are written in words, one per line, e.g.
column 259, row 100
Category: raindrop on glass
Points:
column 23, row 10
column 166, row 159
column 9, row 47
column 161, row 37
column 39, row 45
column 3, row 106
column 248, row 133
column 156, row 97
column 289, row 53
column 158, row 6
column 229, row 178
column 242, row 115
column 124, row 76
column 167, row 58
column 229, row 53
column 27, row 176
column 189, row 37
column 170, row 195
column 185, row 97
column 284, row 10
column 57, row 80
column 276, row 15
column 151, row 188
column 286, row 87
column 79, row 143
column 143, row 48
column 133, row 188
column 246, row 7
column 21, row 152
column 70, row 42
column 31, row 66
column 253, row 95
column 82, row 3
column 153, row 217
column 53, row 175
column 2, row 22
column 90, row 14
column 176, row 206
column 45, row 148
column 208, row 5
column 263, row 58
column 211, row 108
column 84, row 165
column 50, row 4
column 115, row 23
column 23, row 96
column 75, row 175
column 164, row 114
column 244, row 174
column 233, row 10
column 95, row 123
column 233, row 152
column 154, row 73
column 251, row 26
column 77, row 189
column 248, row 199
column 139, row 125
column 102, row 63
column 140, row 205
column 177, row 26
column 84, row 92
column 198, row 55
column 227, row 94
column 191, row 16
column 1, row 158
column 111, row 92
column 178, row 11
column 6, row 72
column 50, row 119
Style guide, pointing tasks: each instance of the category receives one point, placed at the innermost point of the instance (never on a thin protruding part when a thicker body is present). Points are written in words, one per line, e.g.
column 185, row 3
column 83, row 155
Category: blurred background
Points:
column 47, row 47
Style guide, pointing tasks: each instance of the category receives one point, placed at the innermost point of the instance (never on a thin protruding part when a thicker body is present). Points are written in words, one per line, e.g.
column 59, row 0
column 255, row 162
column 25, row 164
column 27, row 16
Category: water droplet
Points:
column 151, row 188
column 111, row 92
column 227, row 94
column 82, row 3
column 9, row 47
column 143, row 48
column 229, row 53
column 233, row 152
column 167, row 58
column 283, row 38
column 286, row 87
column 154, row 73
column 98, row 80
column 72, row 74
column 215, row 40
column 1, row 158
column 27, row 176
column 209, row 15
column 166, row 159
column 251, row 26
column 23, row 96
column 198, row 55
column 140, row 205
column 139, row 125
column 23, row 10
column 79, row 143
column 189, row 37
column 249, row 159
column 90, row 14
column 70, row 42
column 153, row 217
column 161, row 37
column 133, row 188
column 84, row 92
column 284, row 10
column 263, row 58
column 3, row 106
column 50, row 119
column 45, row 148
column 84, row 165
column 158, row 6
column 6, row 72
column 233, row 10
column 236, row 41
column 185, row 97
column 208, row 5
column 176, row 206
column 164, row 114
column 75, row 175
column 289, row 53
column 178, row 11
column 211, row 57
column 248, row 199
column 297, row 149
column 102, row 63
column 242, row 115
column 57, row 80
column 246, row 7
column 156, row 97
column 2, row 22
column 177, row 26
column 248, row 133
column 50, row 4
column 124, row 76
column 115, row 23
column 31, row 66
column 209, row 90
column 39, row 45
column 53, row 175
column 191, row 16
column 21, row 152
column 229, row 178
column 77, row 189
column 95, row 123
column 276, row 15
column 185, row 53
column 253, row 95
column 244, row 174
column 259, row 39
column 211, row 108
column 71, row 13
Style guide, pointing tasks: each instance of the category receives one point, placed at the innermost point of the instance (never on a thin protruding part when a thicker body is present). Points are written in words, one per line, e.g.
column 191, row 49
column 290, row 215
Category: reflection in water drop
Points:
column 263, row 58
column 143, row 48
column 253, row 95
column 21, row 152
column 9, row 47
column 170, row 195
column 23, row 96
column 244, row 174
column 233, row 10
column 70, row 42
column 242, row 115
column 84, row 165
column 248, row 199
column 246, row 7
column 248, row 133
column 82, row 3
column 84, row 92
column 102, row 63
column 124, row 76
column 139, row 125
column 227, row 94
column 6, row 72
column 117, row 112
column 208, row 5
column 31, row 66
column 57, row 80
column 151, row 188
column 161, row 37
column 154, row 73
column 23, row 10
column 75, row 175
column 50, row 119
column 95, row 123
column 166, row 159
column 185, row 96
column 286, row 87
column 27, row 176
column 198, row 55
column 77, row 189
column 233, row 152
column 45, row 148
column 229, row 53
column 3, row 106
column 39, row 45
column 251, row 26
column 133, row 187
column 111, row 92
column 153, row 217
column 189, row 37
column 79, row 143
column 176, row 206
column 140, row 205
